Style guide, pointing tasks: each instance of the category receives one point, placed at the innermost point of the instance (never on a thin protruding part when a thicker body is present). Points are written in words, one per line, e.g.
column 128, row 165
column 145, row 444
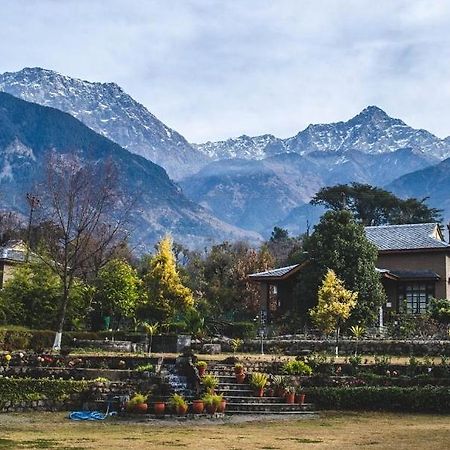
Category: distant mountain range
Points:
column 372, row 131
column 108, row 110
column 28, row 132
column 247, row 182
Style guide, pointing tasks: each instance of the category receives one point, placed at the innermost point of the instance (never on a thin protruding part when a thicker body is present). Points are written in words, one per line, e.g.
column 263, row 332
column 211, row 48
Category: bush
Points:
column 411, row 399
column 241, row 330
column 14, row 338
column 296, row 368
column 17, row 390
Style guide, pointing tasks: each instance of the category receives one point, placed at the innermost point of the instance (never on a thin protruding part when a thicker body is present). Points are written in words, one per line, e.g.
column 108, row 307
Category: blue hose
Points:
column 87, row 415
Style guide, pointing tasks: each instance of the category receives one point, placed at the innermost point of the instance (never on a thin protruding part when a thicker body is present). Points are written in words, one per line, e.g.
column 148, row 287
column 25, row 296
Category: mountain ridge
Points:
column 110, row 111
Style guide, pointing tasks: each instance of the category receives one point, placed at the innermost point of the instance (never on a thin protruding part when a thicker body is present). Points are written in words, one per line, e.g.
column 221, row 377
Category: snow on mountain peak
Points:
column 108, row 110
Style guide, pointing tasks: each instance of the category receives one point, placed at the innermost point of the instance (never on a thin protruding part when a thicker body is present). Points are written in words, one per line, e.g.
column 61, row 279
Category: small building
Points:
column 11, row 254
column 413, row 262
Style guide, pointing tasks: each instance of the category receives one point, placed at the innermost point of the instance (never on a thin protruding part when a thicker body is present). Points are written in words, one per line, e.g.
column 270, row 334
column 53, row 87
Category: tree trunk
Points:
column 61, row 319
column 338, row 329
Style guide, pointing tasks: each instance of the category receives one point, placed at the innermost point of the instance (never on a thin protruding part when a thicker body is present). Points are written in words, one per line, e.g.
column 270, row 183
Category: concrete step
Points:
column 252, row 399
column 291, row 413
column 270, row 407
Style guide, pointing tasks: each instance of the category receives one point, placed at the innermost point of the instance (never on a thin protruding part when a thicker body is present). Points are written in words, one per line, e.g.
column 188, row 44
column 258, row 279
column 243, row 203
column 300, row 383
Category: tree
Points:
column 375, row 206
column 334, row 306
column 118, row 290
column 31, row 297
column 166, row 293
column 88, row 212
column 281, row 246
column 340, row 243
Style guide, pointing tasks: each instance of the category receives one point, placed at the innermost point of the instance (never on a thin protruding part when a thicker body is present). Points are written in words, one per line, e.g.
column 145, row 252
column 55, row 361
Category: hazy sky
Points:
column 217, row 69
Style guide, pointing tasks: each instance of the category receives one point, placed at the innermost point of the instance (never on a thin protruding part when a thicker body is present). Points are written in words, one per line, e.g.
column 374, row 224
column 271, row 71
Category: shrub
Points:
column 413, row 399
column 17, row 390
column 242, row 330
column 202, row 364
column 296, row 368
column 145, row 368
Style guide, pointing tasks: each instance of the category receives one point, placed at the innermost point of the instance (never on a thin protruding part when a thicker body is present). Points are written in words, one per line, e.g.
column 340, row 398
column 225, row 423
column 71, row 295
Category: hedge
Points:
column 411, row 399
column 19, row 338
column 17, row 390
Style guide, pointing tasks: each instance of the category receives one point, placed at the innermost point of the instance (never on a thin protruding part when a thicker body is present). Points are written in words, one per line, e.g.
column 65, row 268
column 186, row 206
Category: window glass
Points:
column 415, row 296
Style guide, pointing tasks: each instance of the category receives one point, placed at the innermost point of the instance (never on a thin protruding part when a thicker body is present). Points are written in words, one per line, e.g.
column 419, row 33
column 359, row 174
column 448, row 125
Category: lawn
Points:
column 329, row 430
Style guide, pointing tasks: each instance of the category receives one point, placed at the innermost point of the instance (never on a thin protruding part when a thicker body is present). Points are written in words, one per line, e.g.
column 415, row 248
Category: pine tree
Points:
column 166, row 293
column 334, row 306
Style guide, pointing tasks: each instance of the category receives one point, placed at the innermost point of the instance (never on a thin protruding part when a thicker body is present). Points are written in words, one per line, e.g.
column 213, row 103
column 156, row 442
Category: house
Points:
column 413, row 262
column 11, row 254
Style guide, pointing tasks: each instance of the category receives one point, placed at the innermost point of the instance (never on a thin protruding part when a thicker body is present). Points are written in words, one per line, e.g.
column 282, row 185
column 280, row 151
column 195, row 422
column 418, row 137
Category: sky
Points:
column 219, row 69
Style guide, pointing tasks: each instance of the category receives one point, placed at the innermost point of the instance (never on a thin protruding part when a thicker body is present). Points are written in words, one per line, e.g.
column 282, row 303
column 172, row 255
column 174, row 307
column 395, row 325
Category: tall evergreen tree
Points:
column 339, row 243
column 166, row 293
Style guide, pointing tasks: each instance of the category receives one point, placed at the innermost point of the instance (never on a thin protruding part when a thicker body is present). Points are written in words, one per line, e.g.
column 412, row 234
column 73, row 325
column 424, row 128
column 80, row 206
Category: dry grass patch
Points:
column 329, row 430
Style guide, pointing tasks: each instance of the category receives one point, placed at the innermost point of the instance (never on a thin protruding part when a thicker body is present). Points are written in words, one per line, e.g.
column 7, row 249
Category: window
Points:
column 416, row 295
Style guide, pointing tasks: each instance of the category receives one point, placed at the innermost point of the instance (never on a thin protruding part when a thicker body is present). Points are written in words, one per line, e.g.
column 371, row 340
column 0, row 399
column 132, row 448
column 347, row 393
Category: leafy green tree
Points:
column 165, row 291
column 31, row 297
column 334, row 306
column 440, row 310
column 118, row 290
column 340, row 243
column 375, row 206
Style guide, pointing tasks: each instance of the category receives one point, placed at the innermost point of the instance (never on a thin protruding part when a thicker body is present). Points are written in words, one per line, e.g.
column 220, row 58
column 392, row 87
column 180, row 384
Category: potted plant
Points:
column 222, row 403
column 258, row 380
column 299, row 395
column 201, row 367
column 137, row 404
column 290, row 395
column 210, row 382
column 179, row 404
column 238, row 368
column 212, row 402
column 198, row 406
column 278, row 384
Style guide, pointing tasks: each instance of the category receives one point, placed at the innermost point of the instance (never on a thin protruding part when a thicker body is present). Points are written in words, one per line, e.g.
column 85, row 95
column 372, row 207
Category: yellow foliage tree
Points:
column 166, row 293
column 334, row 306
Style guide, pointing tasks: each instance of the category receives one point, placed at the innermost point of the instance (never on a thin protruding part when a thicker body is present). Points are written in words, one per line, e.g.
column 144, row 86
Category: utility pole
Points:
column 33, row 201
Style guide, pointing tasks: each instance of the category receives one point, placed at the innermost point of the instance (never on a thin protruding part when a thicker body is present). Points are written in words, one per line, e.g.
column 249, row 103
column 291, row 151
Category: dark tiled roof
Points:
column 405, row 237
column 415, row 274
column 274, row 273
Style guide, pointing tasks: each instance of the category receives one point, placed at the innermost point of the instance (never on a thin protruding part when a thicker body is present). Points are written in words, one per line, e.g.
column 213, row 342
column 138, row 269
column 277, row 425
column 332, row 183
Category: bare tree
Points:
column 83, row 202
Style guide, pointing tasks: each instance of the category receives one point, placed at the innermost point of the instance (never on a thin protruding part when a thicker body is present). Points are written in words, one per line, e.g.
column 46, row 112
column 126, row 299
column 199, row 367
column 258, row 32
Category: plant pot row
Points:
column 198, row 407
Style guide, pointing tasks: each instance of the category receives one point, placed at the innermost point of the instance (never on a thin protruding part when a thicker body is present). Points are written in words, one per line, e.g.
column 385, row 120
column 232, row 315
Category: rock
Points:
column 212, row 349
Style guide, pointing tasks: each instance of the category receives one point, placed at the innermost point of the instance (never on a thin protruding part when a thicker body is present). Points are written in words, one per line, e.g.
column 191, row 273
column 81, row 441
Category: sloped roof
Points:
column 276, row 274
column 407, row 237
column 13, row 251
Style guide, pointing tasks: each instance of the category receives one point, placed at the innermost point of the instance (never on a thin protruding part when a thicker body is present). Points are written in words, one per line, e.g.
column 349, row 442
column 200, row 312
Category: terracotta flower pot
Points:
column 198, row 406
column 290, row 397
column 240, row 377
column 211, row 408
column 201, row 371
column 181, row 410
column 300, row 399
column 222, row 406
column 137, row 408
column 259, row 392
column 159, row 408
column 238, row 370
column 270, row 392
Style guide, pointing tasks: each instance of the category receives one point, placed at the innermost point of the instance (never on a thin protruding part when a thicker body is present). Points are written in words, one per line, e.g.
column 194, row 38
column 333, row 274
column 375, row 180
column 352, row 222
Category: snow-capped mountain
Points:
column 372, row 131
column 108, row 110
column 28, row 132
